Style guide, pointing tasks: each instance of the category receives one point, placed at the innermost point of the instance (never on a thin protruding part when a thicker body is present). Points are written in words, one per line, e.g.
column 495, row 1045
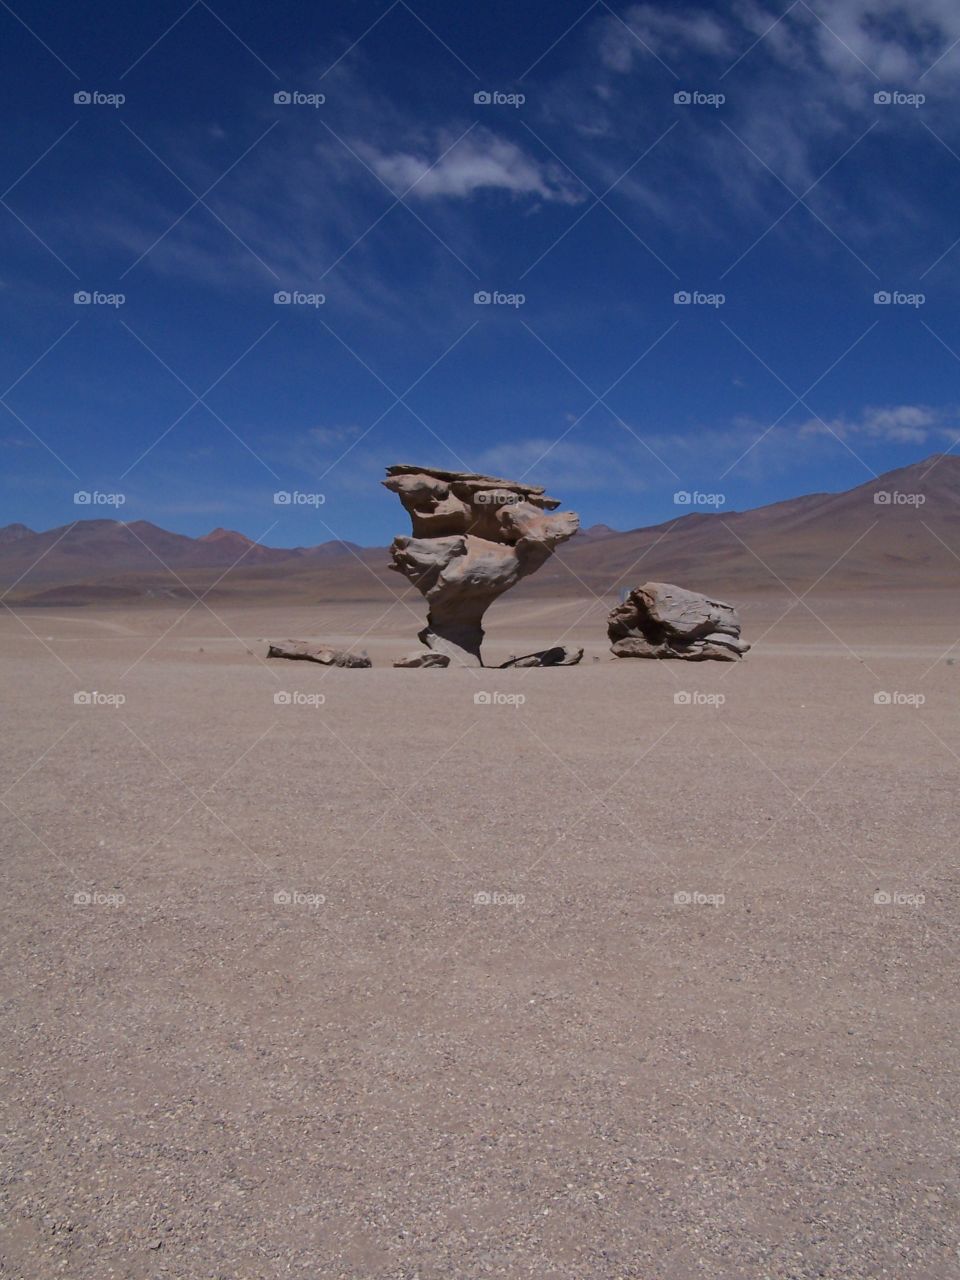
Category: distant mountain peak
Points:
column 14, row 532
column 223, row 535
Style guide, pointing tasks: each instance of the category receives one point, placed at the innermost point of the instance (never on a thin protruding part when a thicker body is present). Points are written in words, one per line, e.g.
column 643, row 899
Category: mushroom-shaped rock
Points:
column 474, row 537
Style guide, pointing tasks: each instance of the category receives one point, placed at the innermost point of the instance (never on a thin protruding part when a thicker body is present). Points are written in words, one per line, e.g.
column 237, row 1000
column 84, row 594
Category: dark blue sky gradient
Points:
column 799, row 381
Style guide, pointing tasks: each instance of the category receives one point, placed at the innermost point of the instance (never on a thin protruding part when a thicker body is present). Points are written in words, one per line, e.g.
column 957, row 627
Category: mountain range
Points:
column 902, row 528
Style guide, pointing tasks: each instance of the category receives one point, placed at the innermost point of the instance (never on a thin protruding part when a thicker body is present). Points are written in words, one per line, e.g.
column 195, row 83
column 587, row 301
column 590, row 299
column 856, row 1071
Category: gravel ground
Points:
column 401, row 985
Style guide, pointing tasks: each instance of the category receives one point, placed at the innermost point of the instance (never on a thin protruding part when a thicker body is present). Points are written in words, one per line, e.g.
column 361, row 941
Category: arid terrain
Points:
column 605, row 982
column 480, row 640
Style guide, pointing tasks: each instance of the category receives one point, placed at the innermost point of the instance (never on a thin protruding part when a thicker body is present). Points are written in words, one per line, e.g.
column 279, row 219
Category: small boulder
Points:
column 424, row 658
column 660, row 620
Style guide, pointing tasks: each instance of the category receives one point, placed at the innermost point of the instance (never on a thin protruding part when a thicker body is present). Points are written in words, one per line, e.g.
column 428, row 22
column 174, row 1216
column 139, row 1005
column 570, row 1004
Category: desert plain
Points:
column 638, row 969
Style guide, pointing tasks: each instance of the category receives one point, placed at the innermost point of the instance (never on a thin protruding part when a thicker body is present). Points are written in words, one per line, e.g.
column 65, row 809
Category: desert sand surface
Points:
column 400, row 985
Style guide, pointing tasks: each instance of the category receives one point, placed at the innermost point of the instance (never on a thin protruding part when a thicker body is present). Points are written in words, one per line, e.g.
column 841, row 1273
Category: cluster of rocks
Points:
column 659, row 620
column 476, row 536
column 559, row 656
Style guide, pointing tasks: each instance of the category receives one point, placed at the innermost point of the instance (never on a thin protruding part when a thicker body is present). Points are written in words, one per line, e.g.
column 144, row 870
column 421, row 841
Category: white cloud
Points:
column 799, row 93
column 667, row 34
column 481, row 161
column 895, row 424
column 897, row 42
column 894, row 40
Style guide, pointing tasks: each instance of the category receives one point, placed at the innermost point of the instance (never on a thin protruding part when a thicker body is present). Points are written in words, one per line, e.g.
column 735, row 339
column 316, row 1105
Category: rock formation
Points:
column 304, row 651
column 474, row 537
column 659, row 620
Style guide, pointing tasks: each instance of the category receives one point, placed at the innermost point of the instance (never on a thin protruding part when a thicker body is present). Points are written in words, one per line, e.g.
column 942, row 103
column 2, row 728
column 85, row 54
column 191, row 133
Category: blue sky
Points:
column 783, row 186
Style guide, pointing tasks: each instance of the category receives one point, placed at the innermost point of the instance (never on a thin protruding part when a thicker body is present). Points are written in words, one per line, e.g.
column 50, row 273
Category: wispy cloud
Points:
column 897, row 424
column 860, row 38
column 481, row 162
column 623, row 459
column 799, row 83
column 312, row 205
column 647, row 28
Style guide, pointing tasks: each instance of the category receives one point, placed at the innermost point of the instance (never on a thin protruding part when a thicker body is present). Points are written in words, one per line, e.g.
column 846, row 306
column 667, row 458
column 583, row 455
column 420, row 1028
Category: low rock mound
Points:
column 660, row 620
column 304, row 651
column 424, row 658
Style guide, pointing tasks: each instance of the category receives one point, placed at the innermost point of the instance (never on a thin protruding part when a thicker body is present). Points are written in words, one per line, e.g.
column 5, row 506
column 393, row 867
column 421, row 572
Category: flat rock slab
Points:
column 304, row 651
column 558, row 656
column 424, row 658
column 470, row 480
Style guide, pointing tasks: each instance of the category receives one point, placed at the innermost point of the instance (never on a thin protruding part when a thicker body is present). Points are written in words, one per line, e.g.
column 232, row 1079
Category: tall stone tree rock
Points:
column 474, row 537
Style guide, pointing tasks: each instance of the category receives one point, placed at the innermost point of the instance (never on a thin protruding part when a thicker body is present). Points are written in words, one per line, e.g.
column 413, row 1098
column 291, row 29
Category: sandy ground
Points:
column 398, row 985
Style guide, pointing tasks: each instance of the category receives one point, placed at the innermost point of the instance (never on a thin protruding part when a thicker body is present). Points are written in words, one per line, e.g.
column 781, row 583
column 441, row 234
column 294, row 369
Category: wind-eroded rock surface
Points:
column 474, row 537
column 660, row 620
